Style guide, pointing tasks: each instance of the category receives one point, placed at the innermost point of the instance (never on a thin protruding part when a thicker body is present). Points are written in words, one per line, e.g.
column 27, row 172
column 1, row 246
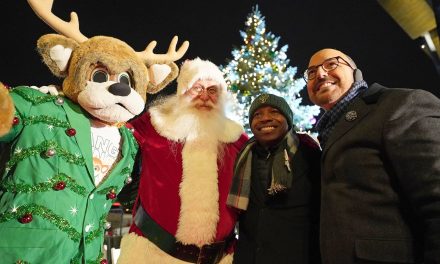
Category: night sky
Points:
column 362, row 29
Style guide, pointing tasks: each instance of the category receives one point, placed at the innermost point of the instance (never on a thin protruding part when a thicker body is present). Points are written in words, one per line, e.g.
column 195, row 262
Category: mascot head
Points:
column 103, row 74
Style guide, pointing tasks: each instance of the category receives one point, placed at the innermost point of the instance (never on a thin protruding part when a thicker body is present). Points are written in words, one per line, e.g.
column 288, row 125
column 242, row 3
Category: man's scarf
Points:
column 328, row 120
column 282, row 172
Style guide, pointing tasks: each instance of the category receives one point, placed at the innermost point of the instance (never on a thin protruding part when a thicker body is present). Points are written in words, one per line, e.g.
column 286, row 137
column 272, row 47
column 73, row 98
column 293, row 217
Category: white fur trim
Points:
column 232, row 132
column 139, row 250
column 227, row 259
column 198, row 69
column 199, row 210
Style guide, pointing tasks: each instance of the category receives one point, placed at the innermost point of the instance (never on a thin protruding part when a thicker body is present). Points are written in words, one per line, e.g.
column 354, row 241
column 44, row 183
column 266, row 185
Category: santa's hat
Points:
column 198, row 69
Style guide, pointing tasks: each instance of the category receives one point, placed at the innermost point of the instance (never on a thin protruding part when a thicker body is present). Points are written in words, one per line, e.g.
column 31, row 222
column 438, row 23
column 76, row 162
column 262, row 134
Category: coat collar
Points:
column 361, row 106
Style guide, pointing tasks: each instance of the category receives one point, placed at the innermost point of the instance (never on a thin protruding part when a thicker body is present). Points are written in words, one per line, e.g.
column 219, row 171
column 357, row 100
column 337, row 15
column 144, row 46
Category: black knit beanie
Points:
column 274, row 101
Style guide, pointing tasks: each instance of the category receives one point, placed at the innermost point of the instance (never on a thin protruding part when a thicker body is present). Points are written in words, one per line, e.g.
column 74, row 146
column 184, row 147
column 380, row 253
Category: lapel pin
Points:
column 351, row 116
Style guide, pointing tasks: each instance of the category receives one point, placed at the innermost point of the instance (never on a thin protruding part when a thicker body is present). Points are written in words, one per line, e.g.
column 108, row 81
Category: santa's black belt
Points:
column 207, row 254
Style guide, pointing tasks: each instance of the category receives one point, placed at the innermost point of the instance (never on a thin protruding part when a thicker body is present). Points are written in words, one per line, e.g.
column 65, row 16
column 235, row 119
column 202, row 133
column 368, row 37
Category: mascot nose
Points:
column 120, row 89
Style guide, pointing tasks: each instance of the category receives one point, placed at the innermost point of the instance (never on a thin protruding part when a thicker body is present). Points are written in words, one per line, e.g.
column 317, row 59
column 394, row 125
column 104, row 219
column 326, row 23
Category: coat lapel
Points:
column 361, row 106
column 344, row 125
column 79, row 121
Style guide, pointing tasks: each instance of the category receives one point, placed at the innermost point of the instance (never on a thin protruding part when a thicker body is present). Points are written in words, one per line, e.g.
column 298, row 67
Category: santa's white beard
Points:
column 188, row 123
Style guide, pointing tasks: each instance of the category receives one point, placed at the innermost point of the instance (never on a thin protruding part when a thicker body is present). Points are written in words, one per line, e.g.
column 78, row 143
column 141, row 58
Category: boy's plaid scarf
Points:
column 282, row 172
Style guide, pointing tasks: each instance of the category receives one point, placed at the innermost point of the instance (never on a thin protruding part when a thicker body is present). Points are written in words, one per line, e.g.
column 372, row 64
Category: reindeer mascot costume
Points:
column 67, row 156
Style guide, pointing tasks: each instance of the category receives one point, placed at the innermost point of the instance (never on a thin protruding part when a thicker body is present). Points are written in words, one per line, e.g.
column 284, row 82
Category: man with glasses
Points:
column 188, row 148
column 380, row 166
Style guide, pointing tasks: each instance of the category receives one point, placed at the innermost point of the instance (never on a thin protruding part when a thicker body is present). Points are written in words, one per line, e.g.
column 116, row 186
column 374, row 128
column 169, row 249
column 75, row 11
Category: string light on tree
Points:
column 259, row 66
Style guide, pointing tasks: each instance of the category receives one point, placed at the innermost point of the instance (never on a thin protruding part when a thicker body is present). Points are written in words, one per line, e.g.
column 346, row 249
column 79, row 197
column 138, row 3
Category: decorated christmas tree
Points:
column 260, row 67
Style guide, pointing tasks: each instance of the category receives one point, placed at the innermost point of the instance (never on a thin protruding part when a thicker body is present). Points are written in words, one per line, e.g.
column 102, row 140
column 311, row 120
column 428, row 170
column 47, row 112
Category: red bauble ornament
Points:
column 111, row 195
column 103, row 261
column 59, row 185
column 71, row 132
column 15, row 121
column 26, row 218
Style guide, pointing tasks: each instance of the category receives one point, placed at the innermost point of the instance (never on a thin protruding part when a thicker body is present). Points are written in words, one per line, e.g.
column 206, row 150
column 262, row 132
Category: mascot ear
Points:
column 56, row 51
column 7, row 110
column 161, row 75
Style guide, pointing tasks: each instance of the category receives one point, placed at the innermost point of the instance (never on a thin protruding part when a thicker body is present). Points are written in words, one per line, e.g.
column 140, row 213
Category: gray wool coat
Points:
column 381, row 180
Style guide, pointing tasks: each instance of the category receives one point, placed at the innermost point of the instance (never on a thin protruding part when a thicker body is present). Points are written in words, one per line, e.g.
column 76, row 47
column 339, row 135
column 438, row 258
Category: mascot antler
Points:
column 43, row 8
column 149, row 57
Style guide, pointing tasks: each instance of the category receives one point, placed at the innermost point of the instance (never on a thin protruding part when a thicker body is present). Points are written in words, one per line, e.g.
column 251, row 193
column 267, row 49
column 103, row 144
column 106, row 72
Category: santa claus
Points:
column 188, row 148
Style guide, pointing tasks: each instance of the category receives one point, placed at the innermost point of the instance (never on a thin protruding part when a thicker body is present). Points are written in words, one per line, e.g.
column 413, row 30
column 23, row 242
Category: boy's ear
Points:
column 56, row 51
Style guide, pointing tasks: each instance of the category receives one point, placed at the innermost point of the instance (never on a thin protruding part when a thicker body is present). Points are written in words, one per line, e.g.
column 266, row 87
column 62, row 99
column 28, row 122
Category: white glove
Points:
column 50, row 89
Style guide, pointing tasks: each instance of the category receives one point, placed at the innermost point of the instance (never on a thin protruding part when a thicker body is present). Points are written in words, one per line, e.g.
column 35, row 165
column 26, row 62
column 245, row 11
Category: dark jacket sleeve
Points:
column 412, row 144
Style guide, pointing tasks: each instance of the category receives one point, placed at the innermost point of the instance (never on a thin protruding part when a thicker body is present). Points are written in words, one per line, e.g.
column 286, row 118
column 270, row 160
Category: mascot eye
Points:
column 100, row 76
column 124, row 78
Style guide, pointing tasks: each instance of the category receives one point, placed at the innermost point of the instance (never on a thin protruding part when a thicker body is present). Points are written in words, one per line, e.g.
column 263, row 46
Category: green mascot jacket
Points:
column 50, row 209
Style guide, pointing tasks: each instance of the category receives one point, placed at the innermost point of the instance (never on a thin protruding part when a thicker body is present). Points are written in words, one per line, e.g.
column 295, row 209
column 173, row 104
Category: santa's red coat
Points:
column 161, row 176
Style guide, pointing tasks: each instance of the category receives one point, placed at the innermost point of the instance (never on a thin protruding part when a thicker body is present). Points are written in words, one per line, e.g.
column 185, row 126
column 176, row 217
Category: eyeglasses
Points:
column 198, row 89
column 328, row 65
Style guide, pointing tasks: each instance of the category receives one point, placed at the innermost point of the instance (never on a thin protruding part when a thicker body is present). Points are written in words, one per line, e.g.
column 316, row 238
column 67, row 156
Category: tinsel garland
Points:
column 44, row 186
column 77, row 259
column 44, row 146
column 98, row 231
column 21, row 262
column 126, row 170
column 45, row 119
column 47, row 214
column 97, row 260
column 35, row 100
column 108, row 189
column 57, row 220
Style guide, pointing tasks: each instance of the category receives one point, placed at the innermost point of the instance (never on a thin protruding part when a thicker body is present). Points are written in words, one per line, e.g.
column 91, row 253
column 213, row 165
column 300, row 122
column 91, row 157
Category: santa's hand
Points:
column 50, row 89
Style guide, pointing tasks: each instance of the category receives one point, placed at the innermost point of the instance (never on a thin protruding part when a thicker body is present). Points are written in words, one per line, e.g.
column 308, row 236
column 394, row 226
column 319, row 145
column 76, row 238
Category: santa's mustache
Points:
column 203, row 103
